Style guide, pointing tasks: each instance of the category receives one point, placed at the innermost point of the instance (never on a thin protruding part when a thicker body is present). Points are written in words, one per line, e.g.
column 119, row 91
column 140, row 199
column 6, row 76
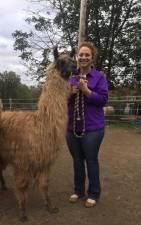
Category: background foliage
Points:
column 12, row 88
column 113, row 25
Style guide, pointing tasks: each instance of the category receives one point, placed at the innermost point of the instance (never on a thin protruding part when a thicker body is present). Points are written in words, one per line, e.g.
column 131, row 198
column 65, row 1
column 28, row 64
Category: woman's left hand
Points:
column 83, row 86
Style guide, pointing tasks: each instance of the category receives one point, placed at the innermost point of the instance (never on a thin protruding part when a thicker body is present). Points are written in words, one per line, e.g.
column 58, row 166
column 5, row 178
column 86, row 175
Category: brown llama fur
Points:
column 2, row 165
column 30, row 141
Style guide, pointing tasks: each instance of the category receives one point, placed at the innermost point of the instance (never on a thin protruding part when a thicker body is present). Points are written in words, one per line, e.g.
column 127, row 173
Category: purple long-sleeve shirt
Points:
column 93, row 105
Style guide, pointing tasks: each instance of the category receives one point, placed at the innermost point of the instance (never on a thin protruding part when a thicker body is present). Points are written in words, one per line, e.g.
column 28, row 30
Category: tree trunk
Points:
column 82, row 23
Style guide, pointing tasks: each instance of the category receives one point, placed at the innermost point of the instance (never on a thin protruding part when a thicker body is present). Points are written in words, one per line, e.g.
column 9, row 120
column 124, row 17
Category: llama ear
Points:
column 55, row 53
column 72, row 53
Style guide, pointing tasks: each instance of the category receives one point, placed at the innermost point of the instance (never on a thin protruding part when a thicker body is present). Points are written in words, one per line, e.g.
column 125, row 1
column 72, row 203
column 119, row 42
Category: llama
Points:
column 2, row 167
column 30, row 141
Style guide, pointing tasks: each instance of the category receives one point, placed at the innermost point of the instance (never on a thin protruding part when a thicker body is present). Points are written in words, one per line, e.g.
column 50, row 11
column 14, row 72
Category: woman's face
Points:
column 84, row 57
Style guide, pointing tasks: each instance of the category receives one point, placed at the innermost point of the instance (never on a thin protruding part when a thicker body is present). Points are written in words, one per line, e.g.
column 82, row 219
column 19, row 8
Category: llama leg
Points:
column 43, row 185
column 22, row 182
column 3, row 185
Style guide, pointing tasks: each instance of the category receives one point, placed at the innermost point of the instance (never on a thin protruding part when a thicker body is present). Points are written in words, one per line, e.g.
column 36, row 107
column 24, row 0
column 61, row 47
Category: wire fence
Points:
column 123, row 108
column 20, row 104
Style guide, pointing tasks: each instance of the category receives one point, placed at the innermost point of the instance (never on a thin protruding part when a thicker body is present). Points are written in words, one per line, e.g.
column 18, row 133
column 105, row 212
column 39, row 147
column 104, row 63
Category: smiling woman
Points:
column 86, row 123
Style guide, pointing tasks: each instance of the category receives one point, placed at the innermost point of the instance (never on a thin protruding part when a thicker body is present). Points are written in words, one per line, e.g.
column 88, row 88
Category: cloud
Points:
column 12, row 17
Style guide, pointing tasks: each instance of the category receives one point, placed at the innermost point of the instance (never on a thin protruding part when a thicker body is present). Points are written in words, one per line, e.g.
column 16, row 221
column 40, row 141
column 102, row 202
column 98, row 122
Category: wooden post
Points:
column 10, row 103
column 82, row 22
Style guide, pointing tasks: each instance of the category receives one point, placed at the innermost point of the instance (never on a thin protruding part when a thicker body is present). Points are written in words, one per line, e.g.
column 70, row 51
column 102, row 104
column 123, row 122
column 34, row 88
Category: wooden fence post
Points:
column 82, row 22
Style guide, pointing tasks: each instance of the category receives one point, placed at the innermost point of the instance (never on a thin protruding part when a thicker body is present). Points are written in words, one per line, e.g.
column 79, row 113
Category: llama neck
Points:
column 52, row 112
column 53, row 99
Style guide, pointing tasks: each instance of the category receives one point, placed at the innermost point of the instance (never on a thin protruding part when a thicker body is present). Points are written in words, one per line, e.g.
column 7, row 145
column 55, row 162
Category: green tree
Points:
column 11, row 87
column 113, row 25
column 9, row 82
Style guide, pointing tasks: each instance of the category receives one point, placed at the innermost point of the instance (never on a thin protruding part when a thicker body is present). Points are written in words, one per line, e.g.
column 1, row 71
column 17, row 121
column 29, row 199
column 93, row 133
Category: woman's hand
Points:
column 74, row 90
column 83, row 86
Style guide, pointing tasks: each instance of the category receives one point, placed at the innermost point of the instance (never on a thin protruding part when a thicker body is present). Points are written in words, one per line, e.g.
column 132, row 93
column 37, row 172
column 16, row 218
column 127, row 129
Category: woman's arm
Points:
column 99, row 96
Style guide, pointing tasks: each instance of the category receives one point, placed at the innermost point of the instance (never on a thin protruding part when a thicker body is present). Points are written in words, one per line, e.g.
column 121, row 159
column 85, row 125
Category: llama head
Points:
column 65, row 63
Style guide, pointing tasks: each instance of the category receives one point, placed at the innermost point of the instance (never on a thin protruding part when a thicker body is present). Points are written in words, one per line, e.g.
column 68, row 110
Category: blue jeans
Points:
column 86, row 149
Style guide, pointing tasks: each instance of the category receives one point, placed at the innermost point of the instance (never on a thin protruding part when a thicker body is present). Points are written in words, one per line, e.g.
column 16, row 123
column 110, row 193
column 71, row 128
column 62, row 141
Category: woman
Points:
column 89, row 93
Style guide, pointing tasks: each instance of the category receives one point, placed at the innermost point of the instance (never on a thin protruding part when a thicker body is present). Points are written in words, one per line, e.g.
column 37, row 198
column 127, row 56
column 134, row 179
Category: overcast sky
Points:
column 12, row 17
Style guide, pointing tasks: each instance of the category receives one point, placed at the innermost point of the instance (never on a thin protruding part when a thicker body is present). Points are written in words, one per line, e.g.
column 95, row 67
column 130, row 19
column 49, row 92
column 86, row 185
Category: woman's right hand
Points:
column 74, row 90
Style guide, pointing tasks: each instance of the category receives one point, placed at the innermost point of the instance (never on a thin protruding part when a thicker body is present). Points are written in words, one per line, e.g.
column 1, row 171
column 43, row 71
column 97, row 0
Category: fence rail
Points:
column 126, row 108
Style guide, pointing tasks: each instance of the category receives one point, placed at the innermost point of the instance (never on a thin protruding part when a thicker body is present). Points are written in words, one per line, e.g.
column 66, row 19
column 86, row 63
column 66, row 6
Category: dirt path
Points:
column 120, row 202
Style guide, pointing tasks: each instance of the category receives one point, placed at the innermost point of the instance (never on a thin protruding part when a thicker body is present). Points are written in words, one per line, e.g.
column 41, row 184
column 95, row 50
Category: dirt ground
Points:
column 120, row 204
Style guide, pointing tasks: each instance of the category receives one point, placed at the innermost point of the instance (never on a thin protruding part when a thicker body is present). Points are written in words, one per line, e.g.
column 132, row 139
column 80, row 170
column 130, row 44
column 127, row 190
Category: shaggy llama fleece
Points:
column 30, row 141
